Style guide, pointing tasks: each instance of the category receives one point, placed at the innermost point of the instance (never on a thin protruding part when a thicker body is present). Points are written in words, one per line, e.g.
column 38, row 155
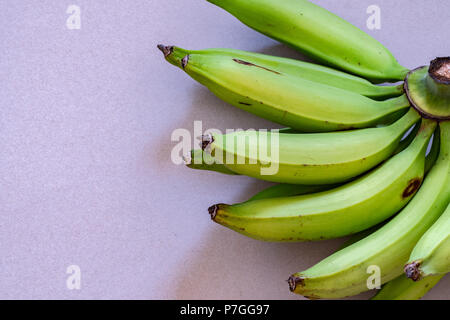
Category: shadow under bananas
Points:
column 282, row 50
column 227, row 265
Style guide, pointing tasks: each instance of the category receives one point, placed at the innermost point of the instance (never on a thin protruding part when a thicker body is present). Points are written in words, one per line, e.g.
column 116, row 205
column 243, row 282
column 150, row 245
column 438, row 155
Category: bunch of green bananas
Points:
column 354, row 155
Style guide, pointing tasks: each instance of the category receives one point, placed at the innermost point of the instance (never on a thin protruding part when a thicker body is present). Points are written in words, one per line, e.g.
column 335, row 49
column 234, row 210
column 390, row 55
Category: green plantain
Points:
column 403, row 288
column 318, row 33
column 431, row 256
column 345, row 272
column 308, row 158
column 292, row 101
column 303, row 70
column 345, row 210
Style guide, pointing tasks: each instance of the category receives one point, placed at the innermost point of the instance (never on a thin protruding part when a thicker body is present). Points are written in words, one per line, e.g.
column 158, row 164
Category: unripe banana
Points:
column 403, row 288
column 318, row 33
column 291, row 101
column 431, row 256
column 345, row 210
column 306, row 71
column 199, row 160
column 345, row 272
column 308, row 158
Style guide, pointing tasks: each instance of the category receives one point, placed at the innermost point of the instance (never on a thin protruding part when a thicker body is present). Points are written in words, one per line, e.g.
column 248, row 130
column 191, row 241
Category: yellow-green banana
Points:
column 319, row 34
column 345, row 210
column 289, row 100
column 345, row 272
column 304, row 70
column 199, row 160
column 431, row 256
column 308, row 158
column 403, row 288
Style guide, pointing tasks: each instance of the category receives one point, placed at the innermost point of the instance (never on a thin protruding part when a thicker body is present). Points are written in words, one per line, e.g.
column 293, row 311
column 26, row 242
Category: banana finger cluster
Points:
column 354, row 159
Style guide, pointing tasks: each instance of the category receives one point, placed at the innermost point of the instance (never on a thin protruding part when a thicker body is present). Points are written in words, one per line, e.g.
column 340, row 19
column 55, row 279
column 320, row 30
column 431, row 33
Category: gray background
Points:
column 85, row 171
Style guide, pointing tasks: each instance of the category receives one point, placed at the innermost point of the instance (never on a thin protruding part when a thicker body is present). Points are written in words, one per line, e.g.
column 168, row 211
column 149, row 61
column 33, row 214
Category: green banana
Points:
column 307, row 158
column 306, row 71
column 403, row 288
column 345, row 272
column 319, row 34
column 400, row 288
column 288, row 100
column 200, row 160
column 197, row 159
column 345, row 210
column 431, row 256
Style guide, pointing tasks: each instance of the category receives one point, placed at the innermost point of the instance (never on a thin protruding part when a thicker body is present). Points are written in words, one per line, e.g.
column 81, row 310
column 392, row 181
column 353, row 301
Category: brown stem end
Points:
column 294, row 282
column 166, row 50
column 440, row 70
column 412, row 271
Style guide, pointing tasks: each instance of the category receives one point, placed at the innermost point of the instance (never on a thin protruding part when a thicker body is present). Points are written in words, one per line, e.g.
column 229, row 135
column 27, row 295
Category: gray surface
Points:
column 85, row 171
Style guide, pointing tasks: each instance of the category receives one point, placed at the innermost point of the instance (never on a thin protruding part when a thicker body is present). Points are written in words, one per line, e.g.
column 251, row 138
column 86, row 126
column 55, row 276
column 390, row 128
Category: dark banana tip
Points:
column 166, row 50
column 295, row 281
column 412, row 271
column 213, row 211
column 206, row 139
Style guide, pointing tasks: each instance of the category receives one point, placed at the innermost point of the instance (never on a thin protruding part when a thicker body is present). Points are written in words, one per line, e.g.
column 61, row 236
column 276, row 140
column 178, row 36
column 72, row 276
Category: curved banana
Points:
column 291, row 101
column 199, row 160
column 308, row 158
column 431, row 256
column 400, row 288
column 345, row 272
column 319, row 34
column 345, row 210
column 403, row 288
column 306, row 71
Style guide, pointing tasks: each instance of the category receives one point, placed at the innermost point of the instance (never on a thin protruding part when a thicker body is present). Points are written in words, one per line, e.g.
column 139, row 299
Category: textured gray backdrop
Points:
column 85, row 171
